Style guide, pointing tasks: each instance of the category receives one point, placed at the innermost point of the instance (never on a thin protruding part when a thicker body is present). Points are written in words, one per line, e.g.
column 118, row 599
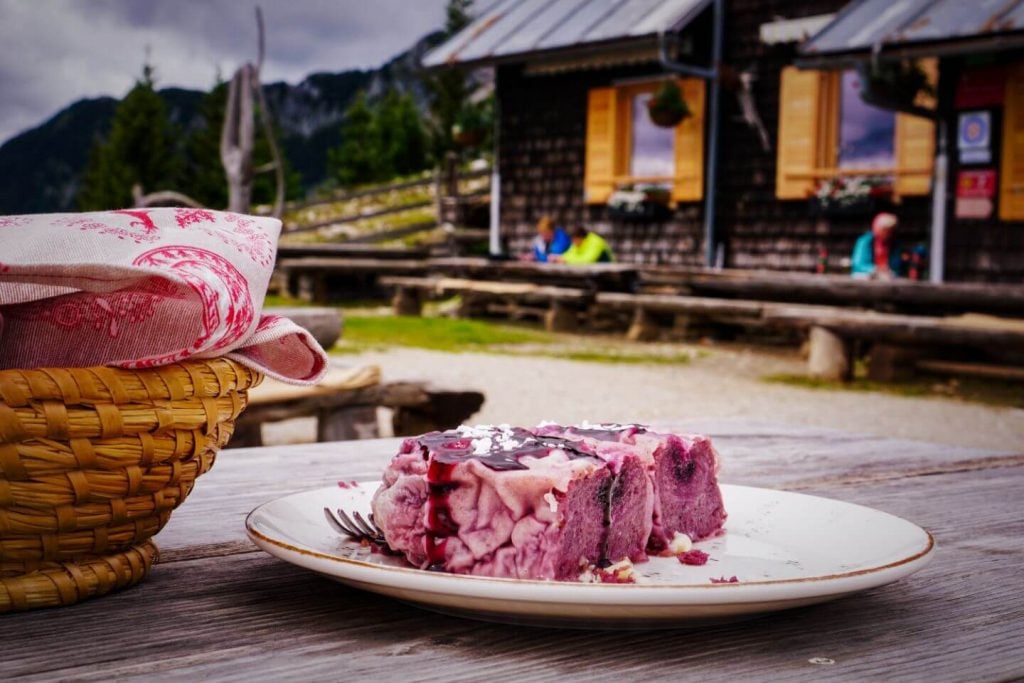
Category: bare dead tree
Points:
column 161, row 198
column 268, row 125
column 237, row 141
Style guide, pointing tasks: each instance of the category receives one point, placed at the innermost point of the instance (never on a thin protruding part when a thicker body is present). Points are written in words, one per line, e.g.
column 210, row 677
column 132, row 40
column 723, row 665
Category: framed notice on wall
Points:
column 974, row 137
column 975, row 193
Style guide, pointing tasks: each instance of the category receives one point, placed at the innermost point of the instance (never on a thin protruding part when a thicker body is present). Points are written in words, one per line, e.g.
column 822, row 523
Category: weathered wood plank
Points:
column 671, row 303
column 245, row 616
column 839, row 289
column 341, row 264
column 350, row 250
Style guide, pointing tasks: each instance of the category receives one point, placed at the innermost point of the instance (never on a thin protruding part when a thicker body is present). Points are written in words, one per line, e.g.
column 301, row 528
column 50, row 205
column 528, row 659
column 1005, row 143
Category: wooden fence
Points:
column 446, row 192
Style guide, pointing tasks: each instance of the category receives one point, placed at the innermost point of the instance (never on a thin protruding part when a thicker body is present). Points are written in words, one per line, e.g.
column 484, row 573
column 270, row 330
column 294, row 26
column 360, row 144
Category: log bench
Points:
column 345, row 405
column 323, row 322
column 561, row 305
column 308, row 278
column 688, row 312
column 899, row 343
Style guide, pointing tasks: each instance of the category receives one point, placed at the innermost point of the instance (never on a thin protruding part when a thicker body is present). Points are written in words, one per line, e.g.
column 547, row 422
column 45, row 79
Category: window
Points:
column 651, row 149
column 826, row 130
column 624, row 147
column 867, row 134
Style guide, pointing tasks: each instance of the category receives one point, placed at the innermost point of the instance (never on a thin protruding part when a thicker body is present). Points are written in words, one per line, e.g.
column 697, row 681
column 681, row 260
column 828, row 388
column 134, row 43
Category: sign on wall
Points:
column 974, row 137
column 975, row 191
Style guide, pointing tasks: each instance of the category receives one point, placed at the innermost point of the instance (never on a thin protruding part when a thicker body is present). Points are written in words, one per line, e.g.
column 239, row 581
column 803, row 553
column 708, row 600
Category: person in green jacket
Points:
column 587, row 247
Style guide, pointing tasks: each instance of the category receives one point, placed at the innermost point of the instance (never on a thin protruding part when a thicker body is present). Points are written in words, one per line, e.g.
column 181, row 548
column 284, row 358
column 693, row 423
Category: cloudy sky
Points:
column 53, row 52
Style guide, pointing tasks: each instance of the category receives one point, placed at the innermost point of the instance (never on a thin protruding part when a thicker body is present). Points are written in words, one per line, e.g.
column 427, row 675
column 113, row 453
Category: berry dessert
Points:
column 552, row 503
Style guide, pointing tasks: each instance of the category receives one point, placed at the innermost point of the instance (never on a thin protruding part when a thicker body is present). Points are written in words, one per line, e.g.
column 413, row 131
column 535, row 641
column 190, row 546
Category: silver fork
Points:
column 356, row 526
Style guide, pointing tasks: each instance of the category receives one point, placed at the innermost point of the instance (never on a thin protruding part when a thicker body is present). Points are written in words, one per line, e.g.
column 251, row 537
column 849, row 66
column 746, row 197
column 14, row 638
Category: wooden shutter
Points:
column 688, row 183
column 915, row 143
column 800, row 101
column 599, row 165
column 1011, row 185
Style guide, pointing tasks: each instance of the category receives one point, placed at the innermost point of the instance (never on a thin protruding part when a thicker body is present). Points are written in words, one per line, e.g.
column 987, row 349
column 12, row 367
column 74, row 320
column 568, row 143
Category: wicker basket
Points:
column 93, row 461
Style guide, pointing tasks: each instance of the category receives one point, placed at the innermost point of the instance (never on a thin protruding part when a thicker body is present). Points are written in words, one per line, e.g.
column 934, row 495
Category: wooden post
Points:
column 310, row 287
column 345, row 423
column 236, row 142
column 560, row 317
column 407, row 301
column 888, row 363
column 645, row 326
column 830, row 356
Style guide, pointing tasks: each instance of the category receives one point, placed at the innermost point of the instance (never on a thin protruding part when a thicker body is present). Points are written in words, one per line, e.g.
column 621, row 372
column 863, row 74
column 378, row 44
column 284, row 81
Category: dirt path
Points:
column 723, row 384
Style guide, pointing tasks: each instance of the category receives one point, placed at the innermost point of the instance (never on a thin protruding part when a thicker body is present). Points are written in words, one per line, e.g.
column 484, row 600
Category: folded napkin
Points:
column 144, row 287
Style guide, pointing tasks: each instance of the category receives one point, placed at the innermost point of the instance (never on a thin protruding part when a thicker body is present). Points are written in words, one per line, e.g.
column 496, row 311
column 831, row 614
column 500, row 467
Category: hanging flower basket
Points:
column 471, row 137
column 470, row 127
column 667, row 108
column 896, row 83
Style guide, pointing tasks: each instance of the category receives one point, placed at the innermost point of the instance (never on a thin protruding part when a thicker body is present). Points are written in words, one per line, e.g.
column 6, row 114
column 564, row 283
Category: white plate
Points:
column 786, row 550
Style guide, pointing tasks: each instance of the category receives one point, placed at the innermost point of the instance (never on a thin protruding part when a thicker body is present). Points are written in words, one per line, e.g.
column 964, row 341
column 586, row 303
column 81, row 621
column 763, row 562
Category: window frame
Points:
column 907, row 180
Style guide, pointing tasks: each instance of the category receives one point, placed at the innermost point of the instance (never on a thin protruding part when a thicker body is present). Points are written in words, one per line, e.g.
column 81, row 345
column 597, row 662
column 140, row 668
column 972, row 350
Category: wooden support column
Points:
column 830, row 356
column 310, row 287
column 888, row 363
column 645, row 326
column 471, row 305
column 561, row 317
column 407, row 301
column 345, row 423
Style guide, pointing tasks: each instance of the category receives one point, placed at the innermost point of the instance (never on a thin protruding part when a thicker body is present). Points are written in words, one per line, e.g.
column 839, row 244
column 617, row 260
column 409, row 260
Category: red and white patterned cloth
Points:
column 144, row 287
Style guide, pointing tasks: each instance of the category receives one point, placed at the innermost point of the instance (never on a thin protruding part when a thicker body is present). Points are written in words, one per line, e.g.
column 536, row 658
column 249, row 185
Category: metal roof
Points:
column 927, row 26
column 508, row 29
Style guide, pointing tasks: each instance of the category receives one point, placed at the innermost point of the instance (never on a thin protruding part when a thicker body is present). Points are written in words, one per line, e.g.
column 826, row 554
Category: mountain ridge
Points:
column 42, row 167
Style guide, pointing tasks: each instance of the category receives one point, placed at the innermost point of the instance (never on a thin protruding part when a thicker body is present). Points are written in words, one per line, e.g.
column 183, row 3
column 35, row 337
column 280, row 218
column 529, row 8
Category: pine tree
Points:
column 358, row 158
column 203, row 177
column 139, row 149
column 400, row 131
column 449, row 88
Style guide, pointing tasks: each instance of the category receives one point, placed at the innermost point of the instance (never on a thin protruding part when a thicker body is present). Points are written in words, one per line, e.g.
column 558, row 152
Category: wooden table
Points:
column 608, row 277
column 215, row 608
column 842, row 290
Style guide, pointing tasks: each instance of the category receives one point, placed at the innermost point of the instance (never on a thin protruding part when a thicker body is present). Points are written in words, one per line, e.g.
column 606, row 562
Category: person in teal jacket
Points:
column 875, row 255
column 587, row 247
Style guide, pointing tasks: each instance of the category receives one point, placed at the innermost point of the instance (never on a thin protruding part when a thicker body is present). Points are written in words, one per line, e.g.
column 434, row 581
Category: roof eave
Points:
column 561, row 52
column 936, row 48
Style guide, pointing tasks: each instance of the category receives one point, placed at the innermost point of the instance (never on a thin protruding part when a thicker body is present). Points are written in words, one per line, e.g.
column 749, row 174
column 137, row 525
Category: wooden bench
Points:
column 350, row 250
column 605, row 277
column 322, row 322
column 837, row 290
column 688, row 312
column 345, row 404
column 899, row 342
column 308, row 278
column 562, row 305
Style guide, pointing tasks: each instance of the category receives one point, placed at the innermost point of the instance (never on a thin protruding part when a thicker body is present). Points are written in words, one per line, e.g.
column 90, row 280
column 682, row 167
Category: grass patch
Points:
column 283, row 300
column 437, row 334
column 970, row 389
column 365, row 332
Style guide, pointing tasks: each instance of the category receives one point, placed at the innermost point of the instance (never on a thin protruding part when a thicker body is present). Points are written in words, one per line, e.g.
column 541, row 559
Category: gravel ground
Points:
column 721, row 384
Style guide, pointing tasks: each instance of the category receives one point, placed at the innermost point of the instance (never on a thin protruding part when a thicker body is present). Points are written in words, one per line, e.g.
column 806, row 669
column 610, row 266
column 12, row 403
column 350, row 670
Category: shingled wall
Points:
column 541, row 151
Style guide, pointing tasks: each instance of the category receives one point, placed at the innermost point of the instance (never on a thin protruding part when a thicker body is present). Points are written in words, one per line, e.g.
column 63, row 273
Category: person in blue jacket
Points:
column 550, row 241
column 876, row 255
